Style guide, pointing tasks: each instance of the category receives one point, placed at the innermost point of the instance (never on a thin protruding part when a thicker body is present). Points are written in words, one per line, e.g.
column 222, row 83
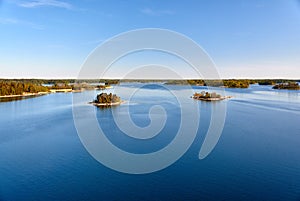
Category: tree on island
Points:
column 206, row 96
column 105, row 98
column 289, row 85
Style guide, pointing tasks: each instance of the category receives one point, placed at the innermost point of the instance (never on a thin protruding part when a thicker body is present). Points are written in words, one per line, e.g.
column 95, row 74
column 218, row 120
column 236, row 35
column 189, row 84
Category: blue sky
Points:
column 246, row 39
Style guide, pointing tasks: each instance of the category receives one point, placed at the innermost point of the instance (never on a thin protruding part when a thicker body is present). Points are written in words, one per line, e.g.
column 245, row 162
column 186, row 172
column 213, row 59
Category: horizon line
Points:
column 106, row 78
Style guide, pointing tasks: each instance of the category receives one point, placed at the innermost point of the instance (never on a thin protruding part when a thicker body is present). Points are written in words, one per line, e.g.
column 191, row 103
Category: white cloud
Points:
column 39, row 3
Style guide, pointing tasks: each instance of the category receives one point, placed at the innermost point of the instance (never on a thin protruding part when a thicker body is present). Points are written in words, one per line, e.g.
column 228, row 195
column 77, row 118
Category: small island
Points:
column 289, row 85
column 105, row 99
column 206, row 96
column 103, row 87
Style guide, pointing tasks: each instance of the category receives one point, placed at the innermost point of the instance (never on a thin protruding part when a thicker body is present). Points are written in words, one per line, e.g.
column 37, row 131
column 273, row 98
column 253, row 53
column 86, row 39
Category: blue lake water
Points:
column 256, row 157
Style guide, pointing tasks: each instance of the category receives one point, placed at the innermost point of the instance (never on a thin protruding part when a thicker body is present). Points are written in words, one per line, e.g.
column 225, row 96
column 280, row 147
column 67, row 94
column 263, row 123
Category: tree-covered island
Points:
column 289, row 85
column 105, row 99
column 206, row 96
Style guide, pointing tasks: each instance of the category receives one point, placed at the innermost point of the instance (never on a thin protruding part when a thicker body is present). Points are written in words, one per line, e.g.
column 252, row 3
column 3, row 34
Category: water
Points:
column 256, row 158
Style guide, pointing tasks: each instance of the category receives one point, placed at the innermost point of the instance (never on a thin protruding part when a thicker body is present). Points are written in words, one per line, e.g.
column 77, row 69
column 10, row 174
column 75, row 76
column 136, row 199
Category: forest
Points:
column 289, row 85
column 20, row 87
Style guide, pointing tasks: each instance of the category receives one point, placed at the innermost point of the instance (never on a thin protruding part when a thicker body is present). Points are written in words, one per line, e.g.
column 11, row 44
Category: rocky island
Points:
column 105, row 99
column 103, row 87
column 206, row 96
column 289, row 85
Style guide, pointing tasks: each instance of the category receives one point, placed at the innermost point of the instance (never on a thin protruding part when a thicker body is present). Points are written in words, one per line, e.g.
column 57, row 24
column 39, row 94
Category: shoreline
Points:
column 24, row 95
column 107, row 104
column 212, row 99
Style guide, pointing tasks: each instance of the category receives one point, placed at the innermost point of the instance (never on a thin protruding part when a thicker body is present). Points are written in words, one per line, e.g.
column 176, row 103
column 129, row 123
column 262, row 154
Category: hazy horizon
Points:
column 116, row 78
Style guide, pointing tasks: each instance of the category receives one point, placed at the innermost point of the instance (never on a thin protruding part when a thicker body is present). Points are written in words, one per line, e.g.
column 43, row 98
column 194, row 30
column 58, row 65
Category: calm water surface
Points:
column 256, row 158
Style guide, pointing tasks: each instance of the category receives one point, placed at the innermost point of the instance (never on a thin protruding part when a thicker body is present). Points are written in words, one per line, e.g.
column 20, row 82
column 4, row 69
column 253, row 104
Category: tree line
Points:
column 19, row 88
column 231, row 83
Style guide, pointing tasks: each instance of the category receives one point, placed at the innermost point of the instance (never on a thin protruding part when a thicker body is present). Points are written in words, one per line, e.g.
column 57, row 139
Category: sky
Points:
column 244, row 38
